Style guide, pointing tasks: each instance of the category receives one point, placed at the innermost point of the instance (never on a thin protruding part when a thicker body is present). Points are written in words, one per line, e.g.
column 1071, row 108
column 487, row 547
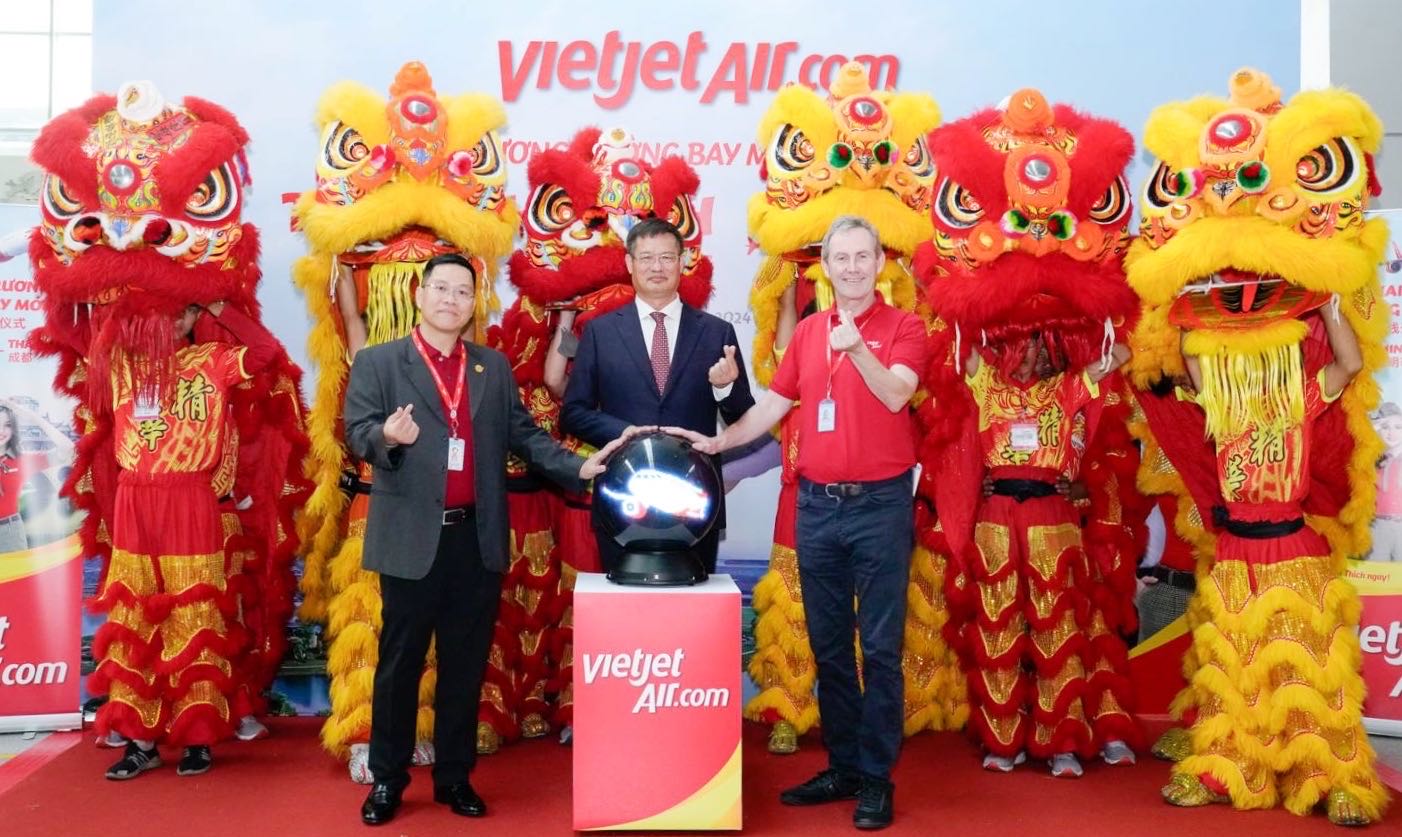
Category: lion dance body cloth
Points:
column 398, row 181
column 189, row 467
column 1030, row 222
column 1253, row 246
column 570, row 269
column 854, row 152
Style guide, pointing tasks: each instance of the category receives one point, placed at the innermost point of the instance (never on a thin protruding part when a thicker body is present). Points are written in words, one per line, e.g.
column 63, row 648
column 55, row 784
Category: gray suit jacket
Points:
column 406, row 500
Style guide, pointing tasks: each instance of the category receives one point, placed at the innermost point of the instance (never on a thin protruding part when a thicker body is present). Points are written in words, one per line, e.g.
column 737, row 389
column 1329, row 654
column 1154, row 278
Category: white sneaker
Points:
column 1003, row 764
column 113, row 740
column 423, row 753
column 1065, row 766
column 567, row 735
column 1117, row 753
column 359, row 765
column 250, row 729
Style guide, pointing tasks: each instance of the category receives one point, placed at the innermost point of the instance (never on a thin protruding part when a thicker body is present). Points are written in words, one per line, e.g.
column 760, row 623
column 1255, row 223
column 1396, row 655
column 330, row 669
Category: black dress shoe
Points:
column 381, row 805
column 875, row 804
column 829, row 786
column 462, row 799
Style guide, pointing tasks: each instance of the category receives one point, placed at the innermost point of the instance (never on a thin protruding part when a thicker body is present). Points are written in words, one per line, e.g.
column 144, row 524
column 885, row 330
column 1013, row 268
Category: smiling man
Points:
column 436, row 417
column 656, row 362
column 852, row 373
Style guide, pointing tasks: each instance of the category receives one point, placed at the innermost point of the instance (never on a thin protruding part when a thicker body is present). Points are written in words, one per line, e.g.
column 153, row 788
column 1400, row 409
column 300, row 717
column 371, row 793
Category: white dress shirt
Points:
column 671, row 323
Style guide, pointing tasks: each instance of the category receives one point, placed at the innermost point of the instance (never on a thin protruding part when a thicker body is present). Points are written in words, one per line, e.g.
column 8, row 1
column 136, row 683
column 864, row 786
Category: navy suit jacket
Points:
column 611, row 385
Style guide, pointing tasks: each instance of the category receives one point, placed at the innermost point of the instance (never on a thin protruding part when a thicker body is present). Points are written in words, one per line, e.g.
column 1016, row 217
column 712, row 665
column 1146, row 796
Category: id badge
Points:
column 144, row 408
column 457, row 452
column 1024, row 438
column 827, row 415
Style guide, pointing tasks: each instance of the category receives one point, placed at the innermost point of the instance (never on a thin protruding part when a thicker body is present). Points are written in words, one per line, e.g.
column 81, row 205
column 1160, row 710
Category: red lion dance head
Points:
column 140, row 218
column 1031, row 221
column 583, row 202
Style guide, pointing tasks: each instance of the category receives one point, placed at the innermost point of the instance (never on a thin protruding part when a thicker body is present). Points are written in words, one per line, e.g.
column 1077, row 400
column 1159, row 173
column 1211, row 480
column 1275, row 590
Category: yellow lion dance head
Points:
column 854, row 152
column 399, row 180
column 1253, row 218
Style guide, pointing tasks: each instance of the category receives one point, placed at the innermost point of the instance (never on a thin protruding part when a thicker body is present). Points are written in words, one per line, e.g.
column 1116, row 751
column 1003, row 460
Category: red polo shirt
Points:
column 868, row 442
column 460, row 489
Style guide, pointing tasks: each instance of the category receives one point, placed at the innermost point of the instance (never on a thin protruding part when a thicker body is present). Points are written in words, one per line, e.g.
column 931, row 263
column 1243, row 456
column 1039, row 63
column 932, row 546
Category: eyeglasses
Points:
column 461, row 293
column 667, row 260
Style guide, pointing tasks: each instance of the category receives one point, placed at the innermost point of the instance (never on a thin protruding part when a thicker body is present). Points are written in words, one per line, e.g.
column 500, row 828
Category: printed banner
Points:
column 41, row 571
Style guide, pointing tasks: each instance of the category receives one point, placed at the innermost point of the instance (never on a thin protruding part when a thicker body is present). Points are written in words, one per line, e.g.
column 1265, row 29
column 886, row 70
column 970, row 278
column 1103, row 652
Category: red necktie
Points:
column 660, row 363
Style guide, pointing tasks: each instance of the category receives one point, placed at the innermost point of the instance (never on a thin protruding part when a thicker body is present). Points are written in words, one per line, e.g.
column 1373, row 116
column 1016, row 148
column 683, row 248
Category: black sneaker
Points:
column 196, row 760
column 875, row 804
column 135, row 761
column 829, row 786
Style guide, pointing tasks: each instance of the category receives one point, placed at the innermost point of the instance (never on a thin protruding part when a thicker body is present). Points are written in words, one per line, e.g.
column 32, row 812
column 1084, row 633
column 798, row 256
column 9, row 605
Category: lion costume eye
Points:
column 917, row 159
column 486, row 156
column 956, row 207
column 551, row 210
column 1167, row 186
column 57, row 201
column 216, row 197
column 791, row 150
column 1113, row 205
column 343, row 148
column 1331, row 167
column 683, row 217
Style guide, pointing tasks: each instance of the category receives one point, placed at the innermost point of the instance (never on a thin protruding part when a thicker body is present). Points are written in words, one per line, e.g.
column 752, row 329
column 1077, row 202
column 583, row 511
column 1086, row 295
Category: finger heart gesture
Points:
column 400, row 427
column 724, row 371
column 844, row 337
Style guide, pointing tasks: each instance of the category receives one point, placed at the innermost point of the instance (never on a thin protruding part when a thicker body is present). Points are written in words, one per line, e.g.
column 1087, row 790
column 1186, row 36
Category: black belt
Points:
column 839, row 490
column 1256, row 530
column 452, row 517
column 1173, row 578
column 353, row 485
column 1023, row 490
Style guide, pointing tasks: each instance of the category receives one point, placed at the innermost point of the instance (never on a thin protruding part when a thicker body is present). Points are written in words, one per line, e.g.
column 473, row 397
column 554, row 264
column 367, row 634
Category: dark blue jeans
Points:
column 857, row 546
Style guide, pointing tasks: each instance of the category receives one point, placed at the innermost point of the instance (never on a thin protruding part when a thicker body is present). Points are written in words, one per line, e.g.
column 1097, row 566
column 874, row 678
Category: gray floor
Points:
column 12, row 744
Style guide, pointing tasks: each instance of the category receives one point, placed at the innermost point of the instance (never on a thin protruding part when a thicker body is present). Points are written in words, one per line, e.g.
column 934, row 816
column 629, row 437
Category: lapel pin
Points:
column 479, row 368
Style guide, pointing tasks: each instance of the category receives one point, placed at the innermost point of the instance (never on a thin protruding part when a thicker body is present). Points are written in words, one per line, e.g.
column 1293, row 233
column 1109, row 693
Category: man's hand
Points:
column 845, row 337
column 216, row 308
column 595, row 465
column 987, row 487
column 400, row 428
column 724, row 371
column 705, row 444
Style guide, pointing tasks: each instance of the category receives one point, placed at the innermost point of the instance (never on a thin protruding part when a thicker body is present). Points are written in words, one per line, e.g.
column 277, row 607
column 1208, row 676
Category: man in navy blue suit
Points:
column 656, row 362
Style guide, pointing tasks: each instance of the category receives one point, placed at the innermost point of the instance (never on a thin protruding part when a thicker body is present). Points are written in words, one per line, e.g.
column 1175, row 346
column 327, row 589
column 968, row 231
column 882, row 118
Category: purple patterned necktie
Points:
column 660, row 363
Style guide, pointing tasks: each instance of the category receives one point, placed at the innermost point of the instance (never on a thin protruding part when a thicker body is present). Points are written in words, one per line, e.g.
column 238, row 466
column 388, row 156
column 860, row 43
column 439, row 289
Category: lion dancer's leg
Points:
column 1057, row 610
column 1109, row 692
column 1279, row 692
column 783, row 666
column 353, row 650
column 249, row 700
column 165, row 654
column 579, row 553
column 513, row 692
column 995, row 637
column 936, row 697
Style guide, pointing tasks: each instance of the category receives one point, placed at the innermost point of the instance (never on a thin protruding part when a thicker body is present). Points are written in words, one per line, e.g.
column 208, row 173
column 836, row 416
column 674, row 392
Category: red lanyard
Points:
column 450, row 406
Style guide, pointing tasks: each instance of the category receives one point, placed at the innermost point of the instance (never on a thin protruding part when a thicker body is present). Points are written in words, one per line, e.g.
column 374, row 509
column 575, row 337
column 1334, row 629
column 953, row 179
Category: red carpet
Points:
column 286, row 785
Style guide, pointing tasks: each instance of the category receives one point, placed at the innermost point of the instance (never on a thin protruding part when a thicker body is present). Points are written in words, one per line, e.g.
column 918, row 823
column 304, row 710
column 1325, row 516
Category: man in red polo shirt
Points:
column 852, row 373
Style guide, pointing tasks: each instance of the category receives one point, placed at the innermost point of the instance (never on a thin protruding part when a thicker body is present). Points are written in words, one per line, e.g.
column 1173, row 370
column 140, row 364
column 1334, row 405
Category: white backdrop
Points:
column 268, row 62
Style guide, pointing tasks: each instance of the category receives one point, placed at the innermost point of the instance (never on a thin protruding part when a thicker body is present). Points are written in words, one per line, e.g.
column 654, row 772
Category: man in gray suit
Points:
column 436, row 416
